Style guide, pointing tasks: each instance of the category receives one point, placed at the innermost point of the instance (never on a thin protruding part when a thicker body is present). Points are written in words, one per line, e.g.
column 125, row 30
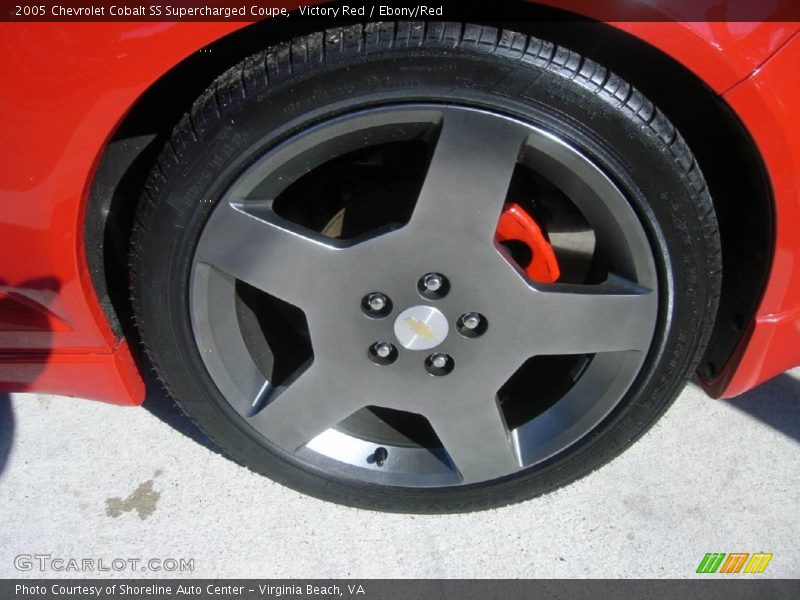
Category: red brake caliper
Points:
column 517, row 225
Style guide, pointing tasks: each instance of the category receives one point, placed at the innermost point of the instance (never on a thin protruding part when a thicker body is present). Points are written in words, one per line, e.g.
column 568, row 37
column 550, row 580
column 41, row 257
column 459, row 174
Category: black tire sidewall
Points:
column 184, row 194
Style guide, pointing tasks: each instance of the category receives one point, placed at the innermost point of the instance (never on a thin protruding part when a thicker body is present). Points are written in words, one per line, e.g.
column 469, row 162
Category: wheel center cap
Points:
column 421, row 327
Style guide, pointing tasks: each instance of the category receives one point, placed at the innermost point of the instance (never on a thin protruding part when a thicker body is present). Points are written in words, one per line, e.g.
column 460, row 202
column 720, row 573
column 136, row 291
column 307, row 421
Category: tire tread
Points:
column 279, row 62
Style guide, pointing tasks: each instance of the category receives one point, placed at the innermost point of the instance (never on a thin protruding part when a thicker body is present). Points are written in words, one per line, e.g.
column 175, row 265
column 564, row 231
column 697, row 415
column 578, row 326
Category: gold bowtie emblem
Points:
column 420, row 328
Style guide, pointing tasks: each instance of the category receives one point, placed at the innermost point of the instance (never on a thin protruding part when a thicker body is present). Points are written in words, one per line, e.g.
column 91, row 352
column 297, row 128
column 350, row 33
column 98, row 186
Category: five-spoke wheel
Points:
column 424, row 266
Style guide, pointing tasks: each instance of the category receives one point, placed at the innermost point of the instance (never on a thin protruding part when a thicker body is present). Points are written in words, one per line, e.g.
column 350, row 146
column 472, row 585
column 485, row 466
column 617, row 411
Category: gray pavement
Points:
column 81, row 479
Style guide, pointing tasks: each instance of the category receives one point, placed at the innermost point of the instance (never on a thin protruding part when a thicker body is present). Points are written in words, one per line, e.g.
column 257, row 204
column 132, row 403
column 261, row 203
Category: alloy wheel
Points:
column 414, row 330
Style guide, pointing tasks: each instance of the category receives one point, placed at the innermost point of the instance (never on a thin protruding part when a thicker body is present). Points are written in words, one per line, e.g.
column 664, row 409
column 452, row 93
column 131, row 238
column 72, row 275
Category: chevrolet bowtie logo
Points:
column 420, row 328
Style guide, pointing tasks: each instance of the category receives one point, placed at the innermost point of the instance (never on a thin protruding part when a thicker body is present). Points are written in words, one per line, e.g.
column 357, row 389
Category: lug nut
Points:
column 439, row 364
column 433, row 282
column 377, row 302
column 472, row 324
column 439, row 361
column 471, row 320
column 433, row 286
column 382, row 353
column 376, row 305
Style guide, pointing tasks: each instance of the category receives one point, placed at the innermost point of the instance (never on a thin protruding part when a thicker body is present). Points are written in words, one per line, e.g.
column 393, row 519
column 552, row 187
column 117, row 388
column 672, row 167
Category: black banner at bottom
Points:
column 395, row 589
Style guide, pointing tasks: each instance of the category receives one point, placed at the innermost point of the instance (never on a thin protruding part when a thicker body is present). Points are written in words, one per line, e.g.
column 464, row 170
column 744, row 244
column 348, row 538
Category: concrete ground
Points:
column 81, row 479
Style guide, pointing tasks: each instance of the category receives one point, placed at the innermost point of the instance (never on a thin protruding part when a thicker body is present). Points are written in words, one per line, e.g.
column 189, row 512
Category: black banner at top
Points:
column 498, row 11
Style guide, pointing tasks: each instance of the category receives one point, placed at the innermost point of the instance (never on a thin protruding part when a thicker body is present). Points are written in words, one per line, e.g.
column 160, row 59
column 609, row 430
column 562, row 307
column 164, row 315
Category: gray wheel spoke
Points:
column 304, row 408
column 583, row 406
column 237, row 374
column 249, row 242
column 614, row 316
column 469, row 176
column 365, row 411
column 477, row 440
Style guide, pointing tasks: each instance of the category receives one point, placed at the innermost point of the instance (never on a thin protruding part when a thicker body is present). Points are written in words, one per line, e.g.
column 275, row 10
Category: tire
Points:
column 318, row 81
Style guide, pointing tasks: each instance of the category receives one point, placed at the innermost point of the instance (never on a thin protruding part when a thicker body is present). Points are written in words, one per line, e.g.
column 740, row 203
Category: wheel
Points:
column 424, row 268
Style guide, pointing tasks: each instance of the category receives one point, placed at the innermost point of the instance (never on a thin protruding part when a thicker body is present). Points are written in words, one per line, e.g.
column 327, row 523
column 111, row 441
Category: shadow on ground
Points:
column 776, row 403
column 6, row 430
column 158, row 403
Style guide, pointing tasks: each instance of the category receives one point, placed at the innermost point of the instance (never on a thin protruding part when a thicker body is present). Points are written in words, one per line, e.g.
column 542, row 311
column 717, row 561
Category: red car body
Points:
column 66, row 87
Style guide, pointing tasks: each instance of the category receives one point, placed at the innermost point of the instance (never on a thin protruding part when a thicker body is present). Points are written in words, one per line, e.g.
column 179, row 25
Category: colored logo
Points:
column 734, row 562
column 421, row 329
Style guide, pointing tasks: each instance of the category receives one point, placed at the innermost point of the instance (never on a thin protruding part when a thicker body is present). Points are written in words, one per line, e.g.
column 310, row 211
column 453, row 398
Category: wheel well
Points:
column 727, row 155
